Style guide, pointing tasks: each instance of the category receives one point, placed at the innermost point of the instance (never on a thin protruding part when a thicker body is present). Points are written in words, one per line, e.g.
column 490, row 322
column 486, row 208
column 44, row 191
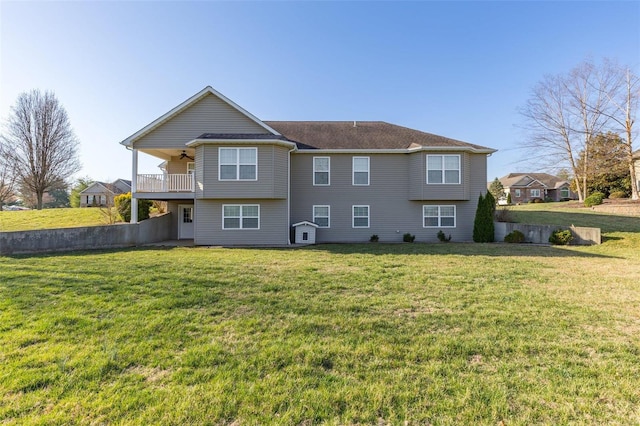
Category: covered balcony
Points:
column 165, row 182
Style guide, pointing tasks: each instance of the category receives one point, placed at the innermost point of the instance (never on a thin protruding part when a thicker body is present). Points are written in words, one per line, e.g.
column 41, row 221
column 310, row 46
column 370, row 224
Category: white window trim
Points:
column 313, row 215
column 237, row 164
column 328, row 172
column 353, row 217
column 537, row 191
column 563, row 191
column 241, row 217
column 353, row 171
column 517, row 193
column 455, row 214
column 191, row 167
column 443, row 169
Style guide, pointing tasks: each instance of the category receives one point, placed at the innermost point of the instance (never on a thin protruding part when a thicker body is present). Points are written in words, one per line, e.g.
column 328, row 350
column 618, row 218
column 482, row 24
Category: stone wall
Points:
column 627, row 209
column 539, row 234
column 86, row 238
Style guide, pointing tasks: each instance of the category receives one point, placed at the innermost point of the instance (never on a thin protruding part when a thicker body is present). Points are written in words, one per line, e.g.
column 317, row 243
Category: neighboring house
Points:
column 526, row 187
column 636, row 155
column 101, row 194
column 232, row 179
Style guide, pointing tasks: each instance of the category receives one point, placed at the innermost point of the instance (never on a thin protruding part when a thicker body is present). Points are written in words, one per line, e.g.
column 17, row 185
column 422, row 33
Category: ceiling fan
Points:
column 184, row 155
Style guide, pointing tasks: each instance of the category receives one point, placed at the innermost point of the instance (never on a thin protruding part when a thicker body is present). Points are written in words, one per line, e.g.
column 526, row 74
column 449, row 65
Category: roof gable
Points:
column 198, row 97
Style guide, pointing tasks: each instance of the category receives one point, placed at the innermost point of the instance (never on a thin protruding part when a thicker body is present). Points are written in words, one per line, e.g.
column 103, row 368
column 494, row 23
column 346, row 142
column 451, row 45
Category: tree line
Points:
column 583, row 122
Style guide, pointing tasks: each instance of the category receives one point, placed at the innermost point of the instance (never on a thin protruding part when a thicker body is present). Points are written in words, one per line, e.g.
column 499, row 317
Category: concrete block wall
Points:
column 86, row 238
column 539, row 234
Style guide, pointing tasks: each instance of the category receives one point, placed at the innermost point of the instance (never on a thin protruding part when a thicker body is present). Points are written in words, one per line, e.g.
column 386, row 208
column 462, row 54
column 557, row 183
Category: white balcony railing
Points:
column 166, row 183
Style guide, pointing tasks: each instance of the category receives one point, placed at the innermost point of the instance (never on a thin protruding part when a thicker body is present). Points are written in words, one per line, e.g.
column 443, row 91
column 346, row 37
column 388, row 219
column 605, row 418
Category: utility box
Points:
column 305, row 232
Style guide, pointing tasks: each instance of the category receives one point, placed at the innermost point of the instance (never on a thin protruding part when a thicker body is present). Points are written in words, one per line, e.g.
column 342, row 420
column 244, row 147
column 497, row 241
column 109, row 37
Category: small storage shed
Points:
column 305, row 232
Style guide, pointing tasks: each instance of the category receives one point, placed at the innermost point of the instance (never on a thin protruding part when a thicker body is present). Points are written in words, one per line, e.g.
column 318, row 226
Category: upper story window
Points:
column 361, row 170
column 238, row 164
column 321, row 170
column 443, row 169
column 191, row 168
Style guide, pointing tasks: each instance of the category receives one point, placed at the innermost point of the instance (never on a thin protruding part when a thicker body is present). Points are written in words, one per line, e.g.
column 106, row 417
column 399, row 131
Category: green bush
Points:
column 618, row 194
column 442, row 237
column 560, row 237
column 123, row 205
column 483, row 228
column 514, row 237
column 537, row 200
column 594, row 199
column 408, row 238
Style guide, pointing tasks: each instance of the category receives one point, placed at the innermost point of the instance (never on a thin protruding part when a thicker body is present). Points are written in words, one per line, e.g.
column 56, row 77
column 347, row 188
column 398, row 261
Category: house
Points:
column 101, row 194
column 230, row 178
column 636, row 156
column 527, row 187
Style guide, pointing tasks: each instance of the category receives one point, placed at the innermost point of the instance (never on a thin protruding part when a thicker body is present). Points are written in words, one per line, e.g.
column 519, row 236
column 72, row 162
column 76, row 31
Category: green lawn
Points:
column 26, row 220
column 330, row 334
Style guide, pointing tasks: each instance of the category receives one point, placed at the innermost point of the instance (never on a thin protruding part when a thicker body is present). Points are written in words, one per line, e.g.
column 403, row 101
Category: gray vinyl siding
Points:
column 272, row 175
column 209, row 115
column 392, row 212
column 274, row 228
column 420, row 190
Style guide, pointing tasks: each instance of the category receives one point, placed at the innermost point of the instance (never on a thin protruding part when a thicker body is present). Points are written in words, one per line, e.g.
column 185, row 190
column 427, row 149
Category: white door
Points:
column 185, row 221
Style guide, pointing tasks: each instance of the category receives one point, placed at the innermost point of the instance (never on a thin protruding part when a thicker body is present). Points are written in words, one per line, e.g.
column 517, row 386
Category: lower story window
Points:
column 243, row 216
column 439, row 216
column 321, row 216
column 564, row 192
column 535, row 193
column 360, row 216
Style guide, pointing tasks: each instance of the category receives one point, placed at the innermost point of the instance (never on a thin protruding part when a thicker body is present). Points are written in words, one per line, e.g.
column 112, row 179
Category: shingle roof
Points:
column 550, row 181
column 361, row 135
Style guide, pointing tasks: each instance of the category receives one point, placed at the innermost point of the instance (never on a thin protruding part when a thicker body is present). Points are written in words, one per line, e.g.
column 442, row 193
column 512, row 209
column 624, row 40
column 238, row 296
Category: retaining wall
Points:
column 86, row 238
column 627, row 209
column 540, row 234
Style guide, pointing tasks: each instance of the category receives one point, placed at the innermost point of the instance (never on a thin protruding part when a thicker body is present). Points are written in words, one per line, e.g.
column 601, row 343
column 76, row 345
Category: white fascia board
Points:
column 197, row 142
column 193, row 99
column 305, row 222
column 92, row 185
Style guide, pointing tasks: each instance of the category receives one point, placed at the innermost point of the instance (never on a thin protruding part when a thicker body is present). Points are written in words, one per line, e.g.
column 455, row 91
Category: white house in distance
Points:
column 101, row 193
column 230, row 178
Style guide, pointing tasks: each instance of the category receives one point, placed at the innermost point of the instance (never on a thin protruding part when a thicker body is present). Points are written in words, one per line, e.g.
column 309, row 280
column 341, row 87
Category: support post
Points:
column 134, row 186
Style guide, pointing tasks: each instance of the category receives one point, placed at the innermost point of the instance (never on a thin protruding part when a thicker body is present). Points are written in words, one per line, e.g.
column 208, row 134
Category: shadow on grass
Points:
column 606, row 222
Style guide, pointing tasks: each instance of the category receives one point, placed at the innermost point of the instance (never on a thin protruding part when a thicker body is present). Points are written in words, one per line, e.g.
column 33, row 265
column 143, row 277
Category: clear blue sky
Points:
column 458, row 69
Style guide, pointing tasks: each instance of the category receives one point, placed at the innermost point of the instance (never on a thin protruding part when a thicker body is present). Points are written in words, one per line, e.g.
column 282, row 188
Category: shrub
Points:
column 123, row 205
column 560, row 237
column 408, row 238
column 536, row 200
column 374, row 238
column 504, row 215
column 442, row 237
column 514, row 237
column 594, row 199
column 509, row 198
column 483, row 230
column 618, row 194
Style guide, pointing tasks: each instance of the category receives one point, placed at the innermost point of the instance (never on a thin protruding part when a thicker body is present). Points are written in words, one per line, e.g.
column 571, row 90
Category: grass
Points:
column 26, row 220
column 331, row 334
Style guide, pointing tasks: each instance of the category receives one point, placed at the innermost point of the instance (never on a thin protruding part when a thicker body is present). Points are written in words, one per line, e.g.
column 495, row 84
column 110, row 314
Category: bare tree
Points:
column 562, row 116
column 7, row 178
column 624, row 96
column 41, row 146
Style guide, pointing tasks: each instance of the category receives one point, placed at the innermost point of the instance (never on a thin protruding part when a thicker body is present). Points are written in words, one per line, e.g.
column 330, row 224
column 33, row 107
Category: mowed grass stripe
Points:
column 333, row 334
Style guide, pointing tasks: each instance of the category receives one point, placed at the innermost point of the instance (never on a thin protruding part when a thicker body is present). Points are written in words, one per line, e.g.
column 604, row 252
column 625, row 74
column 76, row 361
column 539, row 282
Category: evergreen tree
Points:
column 483, row 228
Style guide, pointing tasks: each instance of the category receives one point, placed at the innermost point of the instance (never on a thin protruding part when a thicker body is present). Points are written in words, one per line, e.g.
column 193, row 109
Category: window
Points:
column 191, row 168
column 535, row 193
column 238, row 164
column 439, row 216
column 321, row 170
column 564, row 192
column 443, row 169
column 241, row 217
column 361, row 170
column 321, row 216
column 360, row 216
column 517, row 193
column 187, row 215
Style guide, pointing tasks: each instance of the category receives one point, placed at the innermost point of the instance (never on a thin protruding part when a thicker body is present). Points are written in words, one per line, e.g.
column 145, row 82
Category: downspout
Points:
column 289, row 194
